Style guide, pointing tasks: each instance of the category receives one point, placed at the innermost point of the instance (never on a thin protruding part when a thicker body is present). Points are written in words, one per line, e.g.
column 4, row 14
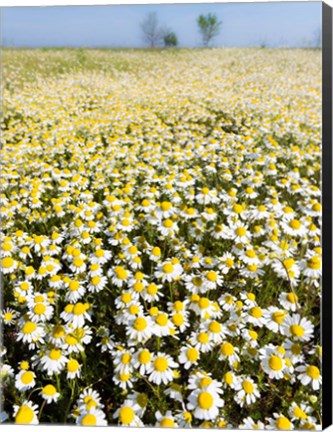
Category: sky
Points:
column 287, row 24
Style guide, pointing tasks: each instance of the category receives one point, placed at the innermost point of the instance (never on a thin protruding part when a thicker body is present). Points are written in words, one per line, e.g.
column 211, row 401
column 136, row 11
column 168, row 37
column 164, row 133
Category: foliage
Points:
column 209, row 27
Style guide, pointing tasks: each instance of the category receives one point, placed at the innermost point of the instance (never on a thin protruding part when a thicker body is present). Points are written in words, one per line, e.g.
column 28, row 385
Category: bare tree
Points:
column 152, row 34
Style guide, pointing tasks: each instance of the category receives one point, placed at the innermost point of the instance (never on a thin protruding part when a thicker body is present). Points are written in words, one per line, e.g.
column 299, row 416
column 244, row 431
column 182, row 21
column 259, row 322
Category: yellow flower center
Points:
column 240, row 231
column 250, row 253
column 27, row 377
column 162, row 320
column 39, row 309
column 214, row 327
column 283, row 423
column 58, row 331
column 29, row 327
column 295, row 224
column 168, row 223
column 211, row 276
column 126, row 358
column 156, row 251
column 177, row 319
column 126, row 415
column 126, row 298
column 203, row 337
column 228, row 378
column 72, row 365
column 247, row 387
column 292, row 298
column 192, row 354
column 24, row 415
column 95, row 280
column 313, row 372
column 121, row 273
column 296, row 330
column 55, row 354
column 275, row 363
column 227, row 349
column 140, row 324
column 205, row 400
column 79, row 309
column 167, row 268
column 314, row 263
column 99, row 253
column 7, row 262
column 288, row 263
column 89, row 420
column 78, row 262
column 237, row 208
column 279, row 316
column 49, row 390
column 144, row 357
column 8, row 316
column 256, row 312
column 167, row 422
column 203, row 303
column 299, row 413
column 152, row 289
column 161, row 364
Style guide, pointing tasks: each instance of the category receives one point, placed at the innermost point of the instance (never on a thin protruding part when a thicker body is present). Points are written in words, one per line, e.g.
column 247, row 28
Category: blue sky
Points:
column 244, row 24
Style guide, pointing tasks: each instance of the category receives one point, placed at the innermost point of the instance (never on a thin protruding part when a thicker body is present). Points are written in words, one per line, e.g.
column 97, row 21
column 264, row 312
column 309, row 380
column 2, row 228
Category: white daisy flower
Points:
column 93, row 417
column 49, row 393
column 53, row 361
column 25, row 380
column 205, row 404
column 26, row 413
column 310, row 374
column 188, row 356
column 160, row 369
column 247, row 391
column 127, row 414
column 298, row 328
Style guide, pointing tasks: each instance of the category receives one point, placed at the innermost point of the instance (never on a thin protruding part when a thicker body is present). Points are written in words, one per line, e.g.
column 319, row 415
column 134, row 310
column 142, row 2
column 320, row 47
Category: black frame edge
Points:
column 326, row 318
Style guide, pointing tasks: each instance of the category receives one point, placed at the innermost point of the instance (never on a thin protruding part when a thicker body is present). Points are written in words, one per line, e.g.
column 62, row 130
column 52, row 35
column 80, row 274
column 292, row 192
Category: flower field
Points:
column 160, row 245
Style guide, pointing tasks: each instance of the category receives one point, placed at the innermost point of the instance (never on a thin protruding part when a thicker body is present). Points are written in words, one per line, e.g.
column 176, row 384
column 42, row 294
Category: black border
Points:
column 326, row 316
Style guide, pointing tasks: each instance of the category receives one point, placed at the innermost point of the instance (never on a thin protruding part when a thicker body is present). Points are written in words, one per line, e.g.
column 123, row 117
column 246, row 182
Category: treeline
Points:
column 154, row 35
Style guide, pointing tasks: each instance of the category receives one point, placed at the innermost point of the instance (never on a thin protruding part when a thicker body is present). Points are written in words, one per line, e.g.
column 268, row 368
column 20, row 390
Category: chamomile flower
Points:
column 53, row 361
column 168, row 272
column 49, row 393
column 204, row 404
column 309, row 374
column 26, row 413
column 127, row 414
column 279, row 422
column 289, row 301
column 275, row 318
column 249, row 423
column 160, row 369
column 272, row 362
column 298, row 328
column 167, row 420
column 9, row 316
column 73, row 368
column 188, row 356
column 31, row 333
column 247, row 391
column 93, row 417
column 25, row 380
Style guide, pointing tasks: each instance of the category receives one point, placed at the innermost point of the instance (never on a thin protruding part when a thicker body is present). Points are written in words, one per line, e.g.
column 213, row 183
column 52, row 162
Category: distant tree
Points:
column 209, row 27
column 317, row 38
column 170, row 38
column 152, row 33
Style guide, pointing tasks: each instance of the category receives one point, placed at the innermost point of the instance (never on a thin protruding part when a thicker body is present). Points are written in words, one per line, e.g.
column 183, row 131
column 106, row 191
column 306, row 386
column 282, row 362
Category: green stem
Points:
column 41, row 409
